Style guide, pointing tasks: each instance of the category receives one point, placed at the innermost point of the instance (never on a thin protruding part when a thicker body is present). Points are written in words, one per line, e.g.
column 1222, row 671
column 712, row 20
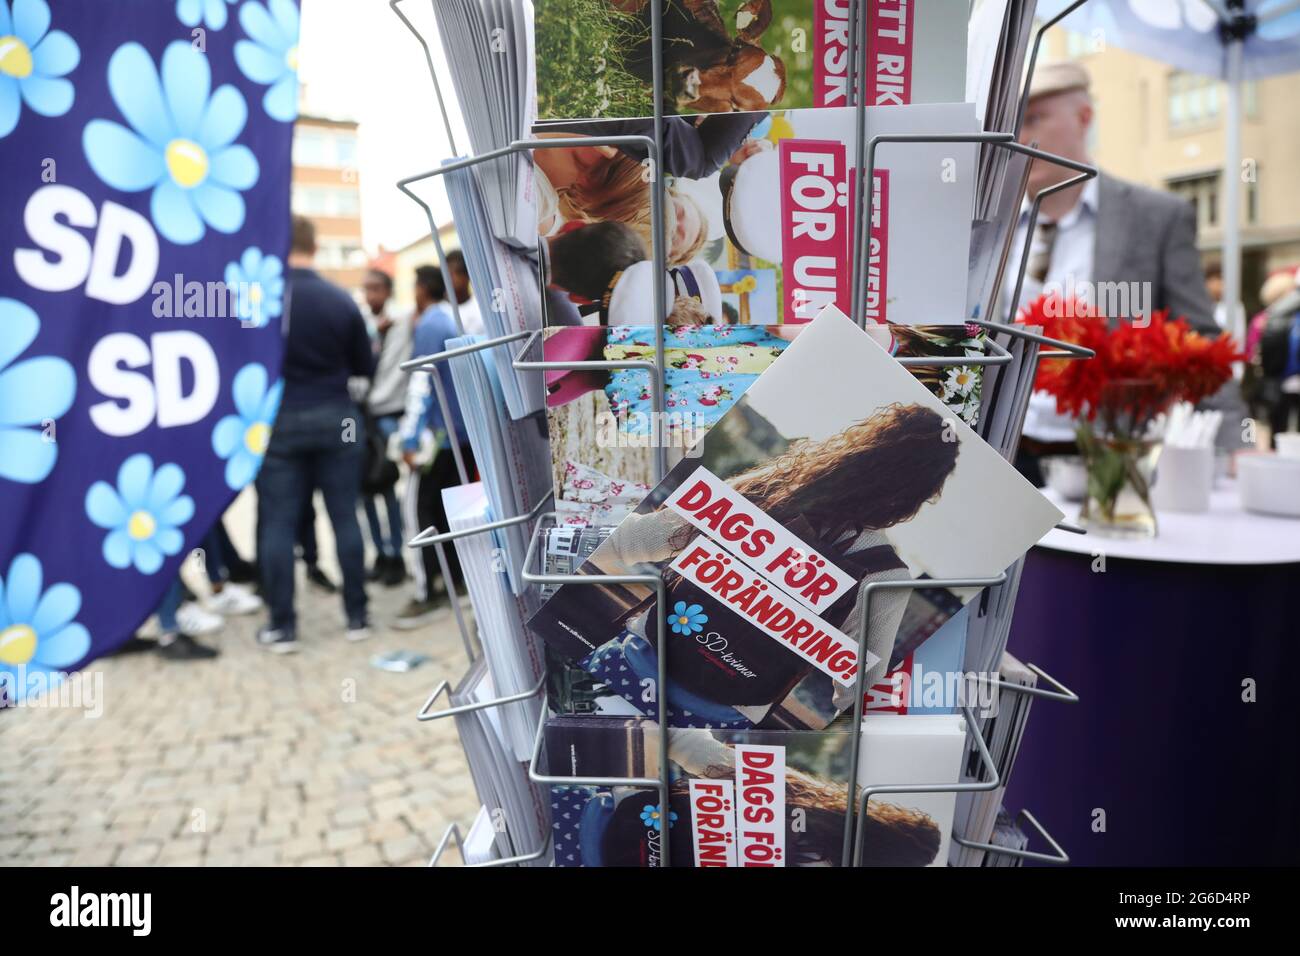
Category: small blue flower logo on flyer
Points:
column 650, row 817
column 687, row 619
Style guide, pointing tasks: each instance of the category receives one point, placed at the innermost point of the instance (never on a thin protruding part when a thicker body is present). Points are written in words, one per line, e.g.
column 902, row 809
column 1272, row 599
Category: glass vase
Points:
column 1120, row 467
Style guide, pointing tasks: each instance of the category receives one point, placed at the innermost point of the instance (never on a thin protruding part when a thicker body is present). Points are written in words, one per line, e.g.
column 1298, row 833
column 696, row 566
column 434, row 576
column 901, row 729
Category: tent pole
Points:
column 1232, row 180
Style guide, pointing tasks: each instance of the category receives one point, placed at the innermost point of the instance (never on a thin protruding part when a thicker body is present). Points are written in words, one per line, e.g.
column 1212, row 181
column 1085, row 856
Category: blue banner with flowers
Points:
column 145, row 157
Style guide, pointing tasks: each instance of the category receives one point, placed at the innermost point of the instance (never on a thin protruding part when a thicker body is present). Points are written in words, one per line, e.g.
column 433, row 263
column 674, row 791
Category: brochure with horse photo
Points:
column 834, row 470
column 595, row 57
column 759, row 218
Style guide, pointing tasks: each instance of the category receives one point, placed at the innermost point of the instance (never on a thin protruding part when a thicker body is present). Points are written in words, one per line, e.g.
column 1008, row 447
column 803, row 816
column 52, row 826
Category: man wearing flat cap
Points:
column 1127, row 249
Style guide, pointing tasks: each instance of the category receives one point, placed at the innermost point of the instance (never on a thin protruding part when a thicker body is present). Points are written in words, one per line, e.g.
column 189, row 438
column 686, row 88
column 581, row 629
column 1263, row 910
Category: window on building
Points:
column 340, row 254
column 1202, row 192
column 1196, row 100
column 324, row 148
column 325, row 201
column 311, row 147
column 348, row 202
column 346, row 150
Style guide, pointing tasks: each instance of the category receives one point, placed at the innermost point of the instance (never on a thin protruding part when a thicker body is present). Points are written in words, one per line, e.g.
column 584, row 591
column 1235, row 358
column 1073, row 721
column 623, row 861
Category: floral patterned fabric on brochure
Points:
column 708, row 368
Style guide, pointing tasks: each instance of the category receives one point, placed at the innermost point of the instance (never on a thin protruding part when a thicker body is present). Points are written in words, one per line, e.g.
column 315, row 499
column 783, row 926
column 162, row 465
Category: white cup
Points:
column 1184, row 477
column 1288, row 444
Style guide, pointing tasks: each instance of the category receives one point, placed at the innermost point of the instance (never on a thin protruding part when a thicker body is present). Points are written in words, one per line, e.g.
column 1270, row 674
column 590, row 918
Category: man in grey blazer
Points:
column 1126, row 249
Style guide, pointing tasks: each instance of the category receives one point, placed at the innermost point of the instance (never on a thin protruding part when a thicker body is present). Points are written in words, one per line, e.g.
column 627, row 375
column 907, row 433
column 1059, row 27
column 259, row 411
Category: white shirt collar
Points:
column 1087, row 204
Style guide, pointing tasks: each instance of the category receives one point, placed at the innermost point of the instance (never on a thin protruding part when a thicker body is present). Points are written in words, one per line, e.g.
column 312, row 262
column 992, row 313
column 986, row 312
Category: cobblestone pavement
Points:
column 248, row 759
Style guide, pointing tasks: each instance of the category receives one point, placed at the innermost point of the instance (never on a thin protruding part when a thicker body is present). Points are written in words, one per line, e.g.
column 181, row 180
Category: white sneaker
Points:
column 193, row 620
column 234, row 599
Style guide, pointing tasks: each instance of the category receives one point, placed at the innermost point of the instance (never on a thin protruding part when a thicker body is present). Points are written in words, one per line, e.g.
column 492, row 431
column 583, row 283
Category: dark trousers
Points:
column 308, row 450
column 1281, row 412
column 306, row 534
column 391, row 545
column 214, row 559
column 429, row 511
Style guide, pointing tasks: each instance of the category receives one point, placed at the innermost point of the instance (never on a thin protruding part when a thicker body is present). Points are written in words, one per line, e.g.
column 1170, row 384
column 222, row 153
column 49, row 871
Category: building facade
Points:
column 1164, row 128
column 327, row 190
column 410, row 257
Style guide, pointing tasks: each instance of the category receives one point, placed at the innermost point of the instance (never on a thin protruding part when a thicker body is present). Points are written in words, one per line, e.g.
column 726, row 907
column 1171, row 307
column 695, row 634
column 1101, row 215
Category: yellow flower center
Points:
column 15, row 58
column 17, row 644
column 187, row 162
column 257, row 438
column 255, row 293
column 141, row 525
column 291, row 58
column 683, row 620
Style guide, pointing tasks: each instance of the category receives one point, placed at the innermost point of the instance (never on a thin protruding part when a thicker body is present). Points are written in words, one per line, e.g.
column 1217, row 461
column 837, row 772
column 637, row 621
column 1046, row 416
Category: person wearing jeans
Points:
column 318, row 441
column 391, row 332
column 307, row 548
column 178, row 625
column 307, row 451
column 227, row 597
column 390, row 568
column 426, row 445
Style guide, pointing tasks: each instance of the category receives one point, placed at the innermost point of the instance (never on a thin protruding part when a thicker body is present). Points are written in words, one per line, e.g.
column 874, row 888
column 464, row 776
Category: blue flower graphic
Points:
column 241, row 439
column 33, row 60
column 179, row 144
column 258, row 284
column 211, row 13
column 143, row 514
column 36, row 629
column 687, row 620
column 270, row 57
column 32, row 392
column 650, row 817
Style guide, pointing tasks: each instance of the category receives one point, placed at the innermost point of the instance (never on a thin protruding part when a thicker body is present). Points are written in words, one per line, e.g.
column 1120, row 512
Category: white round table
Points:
column 1226, row 534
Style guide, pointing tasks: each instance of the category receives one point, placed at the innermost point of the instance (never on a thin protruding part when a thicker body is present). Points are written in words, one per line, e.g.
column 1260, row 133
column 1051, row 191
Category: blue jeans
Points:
column 307, row 531
column 214, row 557
column 311, row 447
column 170, row 604
column 391, row 546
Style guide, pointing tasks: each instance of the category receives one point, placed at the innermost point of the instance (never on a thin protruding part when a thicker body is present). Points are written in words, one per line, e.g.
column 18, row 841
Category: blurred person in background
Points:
column 1279, row 362
column 180, row 622
column 229, row 596
column 1259, row 392
column 1214, row 286
column 392, row 333
column 471, row 318
column 1104, row 233
column 427, row 445
column 318, row 442
column 307, row 549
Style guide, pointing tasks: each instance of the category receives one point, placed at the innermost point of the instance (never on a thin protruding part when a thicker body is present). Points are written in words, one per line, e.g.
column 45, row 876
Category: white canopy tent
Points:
column 1234, row 40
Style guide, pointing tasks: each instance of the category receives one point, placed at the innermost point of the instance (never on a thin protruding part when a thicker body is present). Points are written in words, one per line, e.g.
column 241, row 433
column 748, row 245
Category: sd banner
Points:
column 144, row 222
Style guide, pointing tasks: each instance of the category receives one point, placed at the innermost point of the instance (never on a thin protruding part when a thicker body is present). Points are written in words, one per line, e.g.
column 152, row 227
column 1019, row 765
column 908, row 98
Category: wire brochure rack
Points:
column 522, row 344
